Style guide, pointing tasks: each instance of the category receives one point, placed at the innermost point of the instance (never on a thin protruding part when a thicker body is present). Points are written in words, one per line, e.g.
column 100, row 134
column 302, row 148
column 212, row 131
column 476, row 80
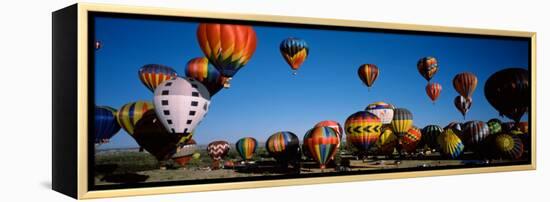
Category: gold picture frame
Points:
column 77, row 17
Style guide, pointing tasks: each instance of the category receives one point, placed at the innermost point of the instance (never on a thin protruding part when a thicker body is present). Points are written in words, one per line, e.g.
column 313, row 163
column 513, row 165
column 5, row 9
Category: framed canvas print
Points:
column 151, row 100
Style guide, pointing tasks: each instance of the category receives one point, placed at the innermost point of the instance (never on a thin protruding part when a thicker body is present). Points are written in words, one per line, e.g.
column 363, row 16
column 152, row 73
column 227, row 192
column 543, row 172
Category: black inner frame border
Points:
column 91, row 98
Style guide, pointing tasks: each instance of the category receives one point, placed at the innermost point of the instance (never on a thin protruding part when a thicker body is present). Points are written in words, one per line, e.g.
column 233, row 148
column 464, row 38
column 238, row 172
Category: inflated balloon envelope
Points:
column 153, row 137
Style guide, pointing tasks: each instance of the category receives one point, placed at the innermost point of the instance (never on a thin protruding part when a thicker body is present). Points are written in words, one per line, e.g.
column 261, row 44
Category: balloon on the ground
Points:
column 402, row 121
column 427, row 67
column 475, row 133
column 508, row 92
column 430, row 134
column 151, row 136
column 410, row 140
column 433, row 90
column 184, row 152
column 450, row 144
column 246, row 147
column 387, row 142
column 465, row 84
column 227, row 46
column 129, row 114
column 204, row 72
column 463, row 104
column 455, row 126
column 284, row 146
column 382, row 110
column 363, row 129
column 334, row 125
column 305, row 148
column 294, row 51
column 322, row 144
column 152, row 75
column 217, row 150
column 368, row 74
column 181, row 104
column 495, row 126
column 105, row 124
column 509, row 146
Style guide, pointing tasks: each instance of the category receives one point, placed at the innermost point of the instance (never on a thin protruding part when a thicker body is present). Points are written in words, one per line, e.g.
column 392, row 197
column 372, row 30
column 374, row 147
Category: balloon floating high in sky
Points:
column 427, row 67
column 465, row 84
column 433, row 90
column 463, row 104
column 368, row 74
column 227, row 46
column 295, row 52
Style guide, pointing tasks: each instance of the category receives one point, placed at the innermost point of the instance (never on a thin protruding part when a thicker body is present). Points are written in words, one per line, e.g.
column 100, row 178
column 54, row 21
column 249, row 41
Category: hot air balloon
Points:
column 430, row 134
column 368, row 74
column 228, row 47
column 129, row 114
column 427, row 67
column 246, row 147
column 97, row 45
column 151, row 136
column 217, row 150
column 509, row 146
column 305, row 148
column 410, row 140
column 184, row 152
column 433, row 90
column 450, row 144
column 295, row 52
column 284, row 146
column 363, row 129
column 382, row 110
column 181, row 104
column 322, row 143
column 465, row 84
column 387, row 141
column 495, row 126
column 334, row 125
column 508, row 92
column 204, row 72
column 105, row 124
column 523, row 127
column 402, row 121
column 455, row 126
column 475, row 133
column 463, row 104
column 152, row 75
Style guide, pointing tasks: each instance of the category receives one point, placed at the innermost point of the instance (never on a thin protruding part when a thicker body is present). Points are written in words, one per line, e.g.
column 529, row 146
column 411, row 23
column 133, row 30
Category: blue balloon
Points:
column 105, row 125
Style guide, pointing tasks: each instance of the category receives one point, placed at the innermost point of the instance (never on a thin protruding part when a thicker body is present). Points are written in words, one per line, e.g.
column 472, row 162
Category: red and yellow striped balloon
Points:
column 368, row 74
column 465, row 84
column 229, row 47
column 152, row 75
column 411, row 139
column 433, row 90
column 363, row 129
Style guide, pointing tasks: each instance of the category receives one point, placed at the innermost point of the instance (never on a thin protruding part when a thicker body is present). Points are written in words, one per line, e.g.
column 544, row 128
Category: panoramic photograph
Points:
column 194, row 101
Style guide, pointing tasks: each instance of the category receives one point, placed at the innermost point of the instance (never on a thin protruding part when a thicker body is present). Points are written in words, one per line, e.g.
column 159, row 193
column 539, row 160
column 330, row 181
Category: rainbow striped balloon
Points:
column 283, row 146
column 246, row 147
column 131, row 113
column 204, row 72
column 322, row 143
column 152, row 75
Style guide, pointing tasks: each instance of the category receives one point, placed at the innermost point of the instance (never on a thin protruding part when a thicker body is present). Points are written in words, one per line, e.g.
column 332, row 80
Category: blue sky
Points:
column 265, row 97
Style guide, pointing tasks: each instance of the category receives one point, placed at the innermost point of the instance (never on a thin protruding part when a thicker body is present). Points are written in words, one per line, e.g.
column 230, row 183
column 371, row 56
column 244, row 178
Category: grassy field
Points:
column 131, row 166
